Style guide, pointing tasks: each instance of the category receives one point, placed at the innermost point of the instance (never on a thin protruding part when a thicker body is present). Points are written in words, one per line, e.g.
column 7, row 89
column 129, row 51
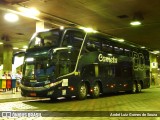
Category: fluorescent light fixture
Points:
column 25, row 47
column 15, row 48
column 29, row 11
column 118, row 39
column 61, row 27
column 121, row 40
column 135, row 23
column 89, row 30
column 34, row 11
column 137, row 19
column 155, row 52
column 10, row 17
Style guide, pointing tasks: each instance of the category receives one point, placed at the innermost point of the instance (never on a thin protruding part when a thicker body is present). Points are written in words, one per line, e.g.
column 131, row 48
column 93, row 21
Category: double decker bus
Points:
column 71, row 62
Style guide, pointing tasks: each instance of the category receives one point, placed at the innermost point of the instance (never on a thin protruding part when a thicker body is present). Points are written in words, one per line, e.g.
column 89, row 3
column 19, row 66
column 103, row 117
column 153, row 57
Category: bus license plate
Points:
column 33, row 94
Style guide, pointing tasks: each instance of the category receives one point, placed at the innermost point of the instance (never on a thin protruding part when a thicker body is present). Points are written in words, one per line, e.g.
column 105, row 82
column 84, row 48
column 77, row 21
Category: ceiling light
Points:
column 135, row 23
column 155, row 52
column 61, row 27
column 137, row 19
column 118, row 39
column 10, row 17
column 88, row 30
column 15, row 48
column 29, row 11
column 121, row 40
column 34, row 11
column 25, row 47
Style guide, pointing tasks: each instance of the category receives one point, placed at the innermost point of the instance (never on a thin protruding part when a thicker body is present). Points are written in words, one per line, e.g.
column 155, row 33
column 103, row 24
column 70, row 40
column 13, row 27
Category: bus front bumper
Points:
column 43, row 91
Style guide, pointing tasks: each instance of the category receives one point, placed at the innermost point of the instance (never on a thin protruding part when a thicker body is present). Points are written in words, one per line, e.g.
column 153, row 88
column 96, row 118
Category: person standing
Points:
column 9, row 78
column 4, row 76
column 18, row 79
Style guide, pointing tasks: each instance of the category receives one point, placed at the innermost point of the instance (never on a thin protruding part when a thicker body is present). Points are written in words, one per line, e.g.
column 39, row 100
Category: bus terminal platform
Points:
column 8, row 96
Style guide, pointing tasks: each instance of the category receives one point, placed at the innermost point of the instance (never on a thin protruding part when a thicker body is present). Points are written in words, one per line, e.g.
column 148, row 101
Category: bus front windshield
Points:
column 45, row 39
column 38, row 70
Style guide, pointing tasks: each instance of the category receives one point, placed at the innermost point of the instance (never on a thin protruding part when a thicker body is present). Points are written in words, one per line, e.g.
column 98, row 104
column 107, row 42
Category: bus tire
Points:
column 96, row 91
column 82, row 91
column 139, row 87
column 134, row 89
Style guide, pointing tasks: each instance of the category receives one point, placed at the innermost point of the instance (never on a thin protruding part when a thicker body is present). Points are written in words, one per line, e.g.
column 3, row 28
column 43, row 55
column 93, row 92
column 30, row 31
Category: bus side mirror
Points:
column 18, row 54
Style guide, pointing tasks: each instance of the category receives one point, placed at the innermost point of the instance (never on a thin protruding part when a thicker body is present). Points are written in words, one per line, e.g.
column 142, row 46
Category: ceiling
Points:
column 108, row 16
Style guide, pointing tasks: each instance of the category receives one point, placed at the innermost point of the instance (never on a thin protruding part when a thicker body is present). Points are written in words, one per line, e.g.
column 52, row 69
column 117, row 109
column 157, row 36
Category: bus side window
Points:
column 47, row 42
column 66, row 41
column 127, row 52
column 146, row 58
column 147, row 73
column 73, row 38
column 107, row 47
column 118, row 50
column 93, row 44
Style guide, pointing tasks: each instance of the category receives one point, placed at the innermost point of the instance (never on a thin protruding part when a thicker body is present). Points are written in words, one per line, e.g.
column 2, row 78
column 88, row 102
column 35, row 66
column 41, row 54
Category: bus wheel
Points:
column 139, row 87
column 96, row 91
column 82, row 91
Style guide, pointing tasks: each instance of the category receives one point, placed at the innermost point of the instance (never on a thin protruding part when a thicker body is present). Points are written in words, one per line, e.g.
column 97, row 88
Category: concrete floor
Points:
column 119, row 106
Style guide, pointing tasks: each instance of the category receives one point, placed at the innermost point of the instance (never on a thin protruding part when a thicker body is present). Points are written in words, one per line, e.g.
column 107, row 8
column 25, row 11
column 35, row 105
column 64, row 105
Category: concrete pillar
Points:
column 1, row 60
column 39, row 26
column 154, row 69
column 7, row 58
column 1, row 68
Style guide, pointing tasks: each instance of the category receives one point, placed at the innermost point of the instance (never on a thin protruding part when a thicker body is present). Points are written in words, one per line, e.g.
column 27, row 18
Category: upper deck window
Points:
column 73, row 38
column 118, row 50
column 93, row 43
column 43, row 39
